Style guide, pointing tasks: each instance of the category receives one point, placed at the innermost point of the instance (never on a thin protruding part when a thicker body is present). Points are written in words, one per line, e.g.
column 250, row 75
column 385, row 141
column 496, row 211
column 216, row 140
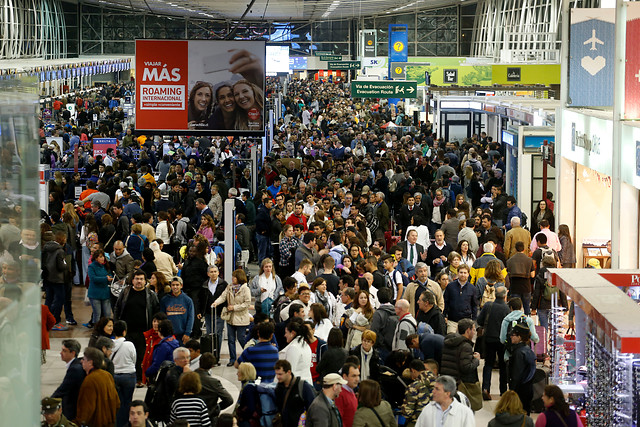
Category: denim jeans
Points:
column 126, row 385
column 101, row 308
column 234, row 332
column 54, row 298
column 86, row 254
column 264, row 247
column 526, row 302
column 543, row 315
column 219, row 325
column 68, row 312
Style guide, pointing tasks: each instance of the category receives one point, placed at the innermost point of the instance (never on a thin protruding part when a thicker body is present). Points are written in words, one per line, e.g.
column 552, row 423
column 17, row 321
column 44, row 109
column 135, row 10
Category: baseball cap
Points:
column 331, row 379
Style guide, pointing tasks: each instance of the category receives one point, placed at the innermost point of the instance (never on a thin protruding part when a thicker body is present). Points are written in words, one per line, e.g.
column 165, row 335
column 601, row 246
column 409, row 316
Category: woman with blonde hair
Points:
column 236, row 313
column 245, row 408
column 265, row 287
column 509, row 412
column 250, row 102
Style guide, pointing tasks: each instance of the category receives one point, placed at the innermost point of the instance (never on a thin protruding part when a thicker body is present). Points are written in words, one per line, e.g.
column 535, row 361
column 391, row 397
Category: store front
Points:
column 584, row 169
column 598, row 367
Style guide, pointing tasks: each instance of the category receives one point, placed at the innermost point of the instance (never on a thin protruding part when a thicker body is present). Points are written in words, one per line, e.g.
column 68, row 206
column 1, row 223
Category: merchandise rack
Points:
column 607, row 345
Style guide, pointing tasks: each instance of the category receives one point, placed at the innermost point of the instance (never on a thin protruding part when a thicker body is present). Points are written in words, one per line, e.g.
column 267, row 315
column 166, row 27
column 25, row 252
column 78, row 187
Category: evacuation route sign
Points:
column 383, row 89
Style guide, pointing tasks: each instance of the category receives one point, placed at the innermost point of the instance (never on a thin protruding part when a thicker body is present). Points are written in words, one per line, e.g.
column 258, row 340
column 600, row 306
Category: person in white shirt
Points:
column 304, row 269
column 310, row 207
column 194, row 354
column 444, row 410
column 123, row 357
column 298, row 352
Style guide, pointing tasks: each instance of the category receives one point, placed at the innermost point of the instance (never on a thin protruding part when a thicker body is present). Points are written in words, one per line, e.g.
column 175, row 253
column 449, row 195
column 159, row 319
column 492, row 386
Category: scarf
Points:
column 268, row 283
column 365, row 357
column 322, row 299
column 437, row 202
column 235, row 288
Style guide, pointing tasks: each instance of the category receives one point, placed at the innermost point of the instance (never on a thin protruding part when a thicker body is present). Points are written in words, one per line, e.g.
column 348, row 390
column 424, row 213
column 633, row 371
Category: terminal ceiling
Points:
column 273, row 10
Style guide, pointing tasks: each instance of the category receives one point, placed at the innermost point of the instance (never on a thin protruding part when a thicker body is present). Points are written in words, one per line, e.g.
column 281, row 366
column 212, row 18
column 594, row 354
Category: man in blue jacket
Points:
column 70, row 387
column 459, row 300
column 179, row 308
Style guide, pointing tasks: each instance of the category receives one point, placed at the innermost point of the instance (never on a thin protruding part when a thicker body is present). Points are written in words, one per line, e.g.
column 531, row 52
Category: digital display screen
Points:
column 277, row 60
column 298, row 63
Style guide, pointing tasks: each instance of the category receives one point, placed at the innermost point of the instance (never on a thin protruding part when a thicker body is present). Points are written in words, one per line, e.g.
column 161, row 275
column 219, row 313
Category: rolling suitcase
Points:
column 540, row 348
column 209, row 343
column 540, row 380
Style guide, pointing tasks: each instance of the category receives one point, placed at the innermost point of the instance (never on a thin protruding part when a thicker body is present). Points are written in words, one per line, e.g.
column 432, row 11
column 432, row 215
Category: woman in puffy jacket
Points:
column 152, row 339
column 99, row 293
column 298, row 351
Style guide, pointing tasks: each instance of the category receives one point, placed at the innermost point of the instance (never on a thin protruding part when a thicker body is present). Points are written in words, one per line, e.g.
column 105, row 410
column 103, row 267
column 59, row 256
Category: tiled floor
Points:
column 53, row 371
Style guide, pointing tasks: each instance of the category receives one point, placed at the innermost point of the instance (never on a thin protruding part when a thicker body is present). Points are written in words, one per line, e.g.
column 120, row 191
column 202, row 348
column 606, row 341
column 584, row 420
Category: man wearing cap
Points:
column 323, row 411
column 52, row 411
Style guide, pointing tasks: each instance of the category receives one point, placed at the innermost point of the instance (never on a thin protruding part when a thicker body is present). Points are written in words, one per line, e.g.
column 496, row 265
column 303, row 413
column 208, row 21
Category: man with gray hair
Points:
column 444, row 409
column 381, row 213
column 420, row 285
column 477, row 269
column 490, row 319
column 406, row 325
column 516, row 234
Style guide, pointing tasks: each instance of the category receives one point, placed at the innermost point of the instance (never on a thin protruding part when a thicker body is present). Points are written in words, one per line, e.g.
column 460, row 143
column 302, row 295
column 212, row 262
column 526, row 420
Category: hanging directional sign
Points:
column 344, row 65
column 384, row 89
column 322, row 52
column 330, row 57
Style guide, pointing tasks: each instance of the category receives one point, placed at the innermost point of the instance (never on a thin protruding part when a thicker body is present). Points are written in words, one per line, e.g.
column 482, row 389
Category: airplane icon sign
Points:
column 593, row 40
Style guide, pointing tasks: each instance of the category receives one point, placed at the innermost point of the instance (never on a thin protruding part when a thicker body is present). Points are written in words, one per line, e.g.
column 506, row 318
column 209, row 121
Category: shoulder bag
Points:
column 378, row 416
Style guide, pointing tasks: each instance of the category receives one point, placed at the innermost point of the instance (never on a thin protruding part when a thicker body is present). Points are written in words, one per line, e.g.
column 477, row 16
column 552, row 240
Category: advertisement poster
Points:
column 591, row 60
column 208, row 87
column 101, row 145
column 632, row 65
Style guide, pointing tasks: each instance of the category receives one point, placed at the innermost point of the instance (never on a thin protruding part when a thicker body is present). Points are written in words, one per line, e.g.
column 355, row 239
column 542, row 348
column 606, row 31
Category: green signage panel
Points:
column 322, row 52
column 330, row 57
column 344, row 65
column 383, row 89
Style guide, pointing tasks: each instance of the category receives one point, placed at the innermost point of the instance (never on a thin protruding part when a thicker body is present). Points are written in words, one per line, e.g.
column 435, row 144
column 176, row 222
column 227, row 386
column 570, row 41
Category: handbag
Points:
column 473, row 391
column 570, row 336
column 87, row 301
column 225, row 314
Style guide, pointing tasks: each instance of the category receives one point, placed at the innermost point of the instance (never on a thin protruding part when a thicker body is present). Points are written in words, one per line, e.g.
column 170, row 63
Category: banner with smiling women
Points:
column 208, row 87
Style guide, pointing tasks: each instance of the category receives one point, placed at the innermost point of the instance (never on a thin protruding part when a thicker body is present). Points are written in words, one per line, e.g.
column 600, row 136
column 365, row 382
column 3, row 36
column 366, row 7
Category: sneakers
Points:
column 486, row 395
column 72, row 322
column 60, row 327
column 88, row 325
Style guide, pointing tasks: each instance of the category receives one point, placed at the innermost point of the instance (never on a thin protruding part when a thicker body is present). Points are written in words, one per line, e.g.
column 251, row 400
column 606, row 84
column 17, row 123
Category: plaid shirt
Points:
column 288, row 245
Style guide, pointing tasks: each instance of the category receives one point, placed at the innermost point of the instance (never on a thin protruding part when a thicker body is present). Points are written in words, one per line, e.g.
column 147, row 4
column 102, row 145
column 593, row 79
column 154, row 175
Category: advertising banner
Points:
column 101, row 145
column 591, row 57
column 207, row 87
column 632, row 66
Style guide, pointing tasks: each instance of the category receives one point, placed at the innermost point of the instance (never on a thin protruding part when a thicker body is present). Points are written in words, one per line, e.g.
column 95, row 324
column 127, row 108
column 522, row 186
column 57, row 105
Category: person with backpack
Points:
column 543, row 291
column 543, row 250
column 406, row 325
column 383, row 323
column 515, row 317
column 522, row 365
column 293, row 395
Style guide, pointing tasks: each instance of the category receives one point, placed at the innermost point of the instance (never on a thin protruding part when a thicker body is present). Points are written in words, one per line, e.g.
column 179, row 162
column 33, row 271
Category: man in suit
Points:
column 201, row 210
column 323, row 412
column 68, row 390
column 411, row 250
column 410, row 215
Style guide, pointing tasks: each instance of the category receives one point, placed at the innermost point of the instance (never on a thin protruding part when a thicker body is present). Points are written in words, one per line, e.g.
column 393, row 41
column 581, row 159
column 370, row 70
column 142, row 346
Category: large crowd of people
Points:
column 390, row 263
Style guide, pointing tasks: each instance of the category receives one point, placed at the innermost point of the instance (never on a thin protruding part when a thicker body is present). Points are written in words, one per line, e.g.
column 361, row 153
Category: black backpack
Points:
column 157, row 397
column 522, row 320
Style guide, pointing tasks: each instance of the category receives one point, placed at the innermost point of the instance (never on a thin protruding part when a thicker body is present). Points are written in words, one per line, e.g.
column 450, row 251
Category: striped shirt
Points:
column 263, row 356
column 192, row 409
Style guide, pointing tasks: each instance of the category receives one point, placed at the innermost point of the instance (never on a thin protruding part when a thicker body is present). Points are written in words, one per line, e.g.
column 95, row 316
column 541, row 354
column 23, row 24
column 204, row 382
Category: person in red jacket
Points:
column 297, row 217
column 347, row 401
column 48, row 321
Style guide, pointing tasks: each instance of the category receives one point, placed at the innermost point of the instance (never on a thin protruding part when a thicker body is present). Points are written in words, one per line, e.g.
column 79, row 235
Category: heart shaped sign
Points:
column 593, row 65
